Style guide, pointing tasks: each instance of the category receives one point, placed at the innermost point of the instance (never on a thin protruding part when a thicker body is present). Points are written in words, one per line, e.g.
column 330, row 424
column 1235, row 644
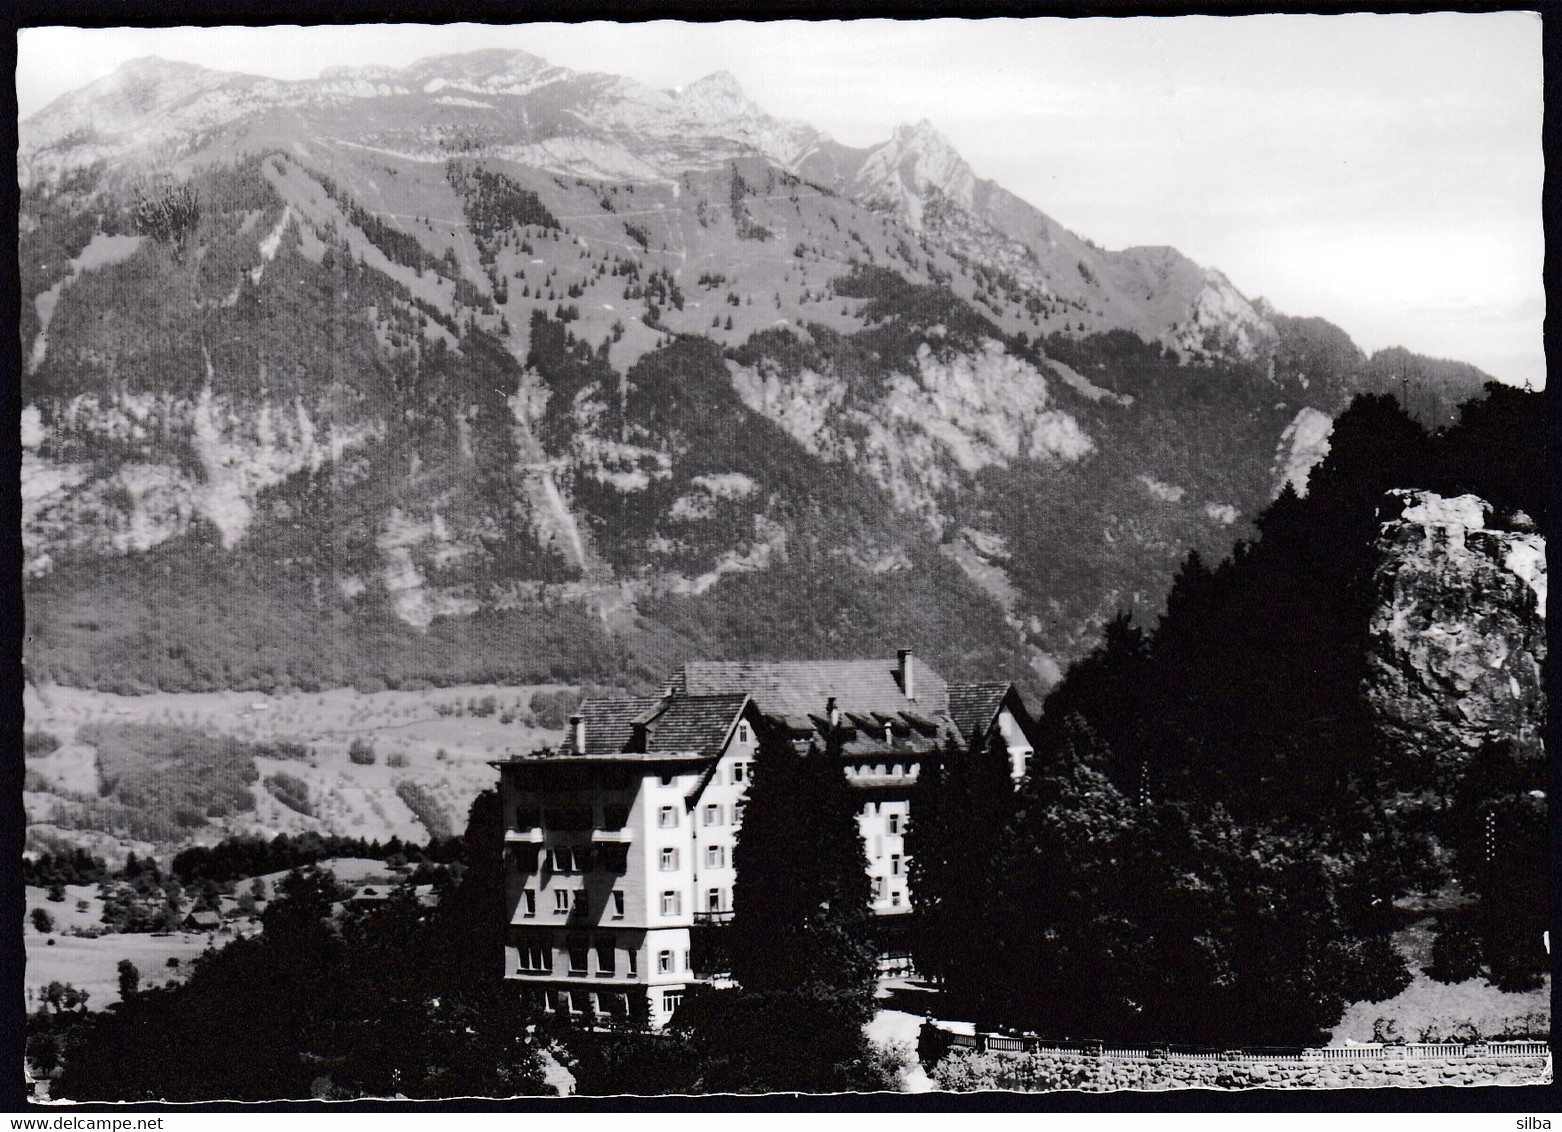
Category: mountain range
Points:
column 487, row 369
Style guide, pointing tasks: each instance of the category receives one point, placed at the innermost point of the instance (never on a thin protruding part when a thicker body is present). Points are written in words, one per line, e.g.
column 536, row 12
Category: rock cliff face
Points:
column 1459, row 638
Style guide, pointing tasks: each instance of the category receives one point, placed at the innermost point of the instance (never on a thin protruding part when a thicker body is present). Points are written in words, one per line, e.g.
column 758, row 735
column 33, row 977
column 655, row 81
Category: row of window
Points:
column 601, row 1002
column 895, row 895
column 884, row 770
column 715, row 812
column 566, row 900
column 536, row 956
column 715, row 858
column 585, row 858
column 580, row 1001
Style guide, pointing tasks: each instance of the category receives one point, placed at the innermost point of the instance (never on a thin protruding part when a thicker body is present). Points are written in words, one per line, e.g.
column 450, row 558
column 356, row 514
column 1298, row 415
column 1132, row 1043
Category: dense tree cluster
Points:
column 168, row 215
column 1214, row 830
column 392, row 999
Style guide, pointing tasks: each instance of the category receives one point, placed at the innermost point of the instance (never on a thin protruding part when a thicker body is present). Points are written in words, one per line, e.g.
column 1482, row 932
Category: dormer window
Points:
column 745, row 733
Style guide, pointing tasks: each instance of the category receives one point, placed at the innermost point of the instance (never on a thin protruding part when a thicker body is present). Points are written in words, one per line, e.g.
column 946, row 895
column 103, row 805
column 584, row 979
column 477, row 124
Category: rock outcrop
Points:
column 1459, row 637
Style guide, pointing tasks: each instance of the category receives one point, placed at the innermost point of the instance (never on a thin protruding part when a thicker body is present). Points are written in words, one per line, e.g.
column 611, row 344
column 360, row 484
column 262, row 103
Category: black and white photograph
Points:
column 927, row 559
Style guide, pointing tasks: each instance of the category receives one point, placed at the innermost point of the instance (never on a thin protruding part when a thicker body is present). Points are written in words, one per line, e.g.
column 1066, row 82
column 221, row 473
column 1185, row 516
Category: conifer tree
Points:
column 801, row 900
column 979, row 805
column 930, row 829
column 800, row 942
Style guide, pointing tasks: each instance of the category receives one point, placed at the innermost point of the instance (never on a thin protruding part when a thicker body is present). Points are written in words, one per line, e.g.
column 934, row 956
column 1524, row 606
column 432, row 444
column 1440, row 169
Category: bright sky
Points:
column 1381, row 171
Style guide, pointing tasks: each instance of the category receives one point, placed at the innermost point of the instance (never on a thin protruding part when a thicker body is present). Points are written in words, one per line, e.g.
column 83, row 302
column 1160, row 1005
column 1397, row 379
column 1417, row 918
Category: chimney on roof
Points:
column 833, row 713
column 907, row 687
column 577, row 727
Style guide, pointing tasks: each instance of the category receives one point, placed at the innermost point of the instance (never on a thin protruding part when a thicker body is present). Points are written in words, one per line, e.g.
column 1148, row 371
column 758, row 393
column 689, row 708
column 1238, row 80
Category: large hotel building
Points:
column 618, row 860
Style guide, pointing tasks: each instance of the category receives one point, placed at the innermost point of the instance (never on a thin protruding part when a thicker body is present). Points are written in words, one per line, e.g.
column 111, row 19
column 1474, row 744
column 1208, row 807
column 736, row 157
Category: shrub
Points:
column 964, row 1071
column 1456, row 954
column 396, row 759
column 361, row 752
column 42, row 920
column 291, row 792
column 129, row 978
column 553, row 709
column 425, row 808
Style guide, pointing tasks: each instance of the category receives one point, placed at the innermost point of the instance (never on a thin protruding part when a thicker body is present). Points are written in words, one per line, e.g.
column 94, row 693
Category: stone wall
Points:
column 961, row 1069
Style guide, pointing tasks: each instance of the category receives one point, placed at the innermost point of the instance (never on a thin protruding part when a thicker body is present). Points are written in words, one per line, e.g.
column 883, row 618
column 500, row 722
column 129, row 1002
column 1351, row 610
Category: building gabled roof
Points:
column 973, row 707
column 696, row 725
column 798, row 688
column 610, row 723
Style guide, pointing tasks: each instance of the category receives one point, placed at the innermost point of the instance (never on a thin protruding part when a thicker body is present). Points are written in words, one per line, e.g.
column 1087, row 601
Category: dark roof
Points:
column 692, row 724
column 803, row 687
column 973, row 707
column 695, row 723
column 609, row 724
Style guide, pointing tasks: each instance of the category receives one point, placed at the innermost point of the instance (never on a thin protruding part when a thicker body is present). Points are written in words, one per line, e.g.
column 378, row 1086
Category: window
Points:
column 894, row 899
column 616, row 1004
column 578, row 952
column 878, row 888
column 607, row 964
column 737, row 812
column 740, row 771
column 715, row 856
column 618, row 904
column 669, row 860
column 672, row 904
column 664, row 962
column 613, row 858
column 581, row 901
column 667, row 817
column 563, row 859
column 667, row 780
column 745, row 735
column 671, row 1000
column 560, row 901
column 894, row 823
column 712, row 815
column 571, row 1002
column 633, row 962
column 714, row 898
column 615, row 817
column 529, row 901
column 535, row 956
column 894, row 864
